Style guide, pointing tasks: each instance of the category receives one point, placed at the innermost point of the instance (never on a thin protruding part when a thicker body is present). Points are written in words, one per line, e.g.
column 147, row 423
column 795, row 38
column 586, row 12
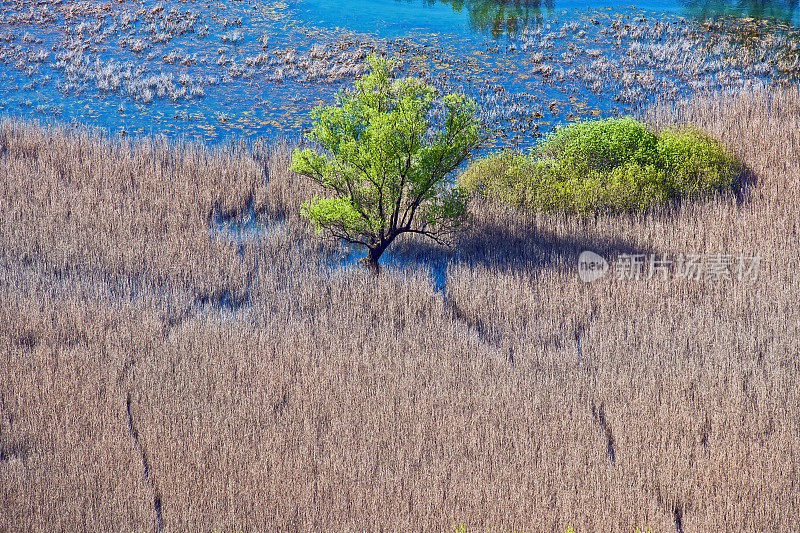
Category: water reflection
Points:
column 500, row 17
column 780, row 10
column 510, row 17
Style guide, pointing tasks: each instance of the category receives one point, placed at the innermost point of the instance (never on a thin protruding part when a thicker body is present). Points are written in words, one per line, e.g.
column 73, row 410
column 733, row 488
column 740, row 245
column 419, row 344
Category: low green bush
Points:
column 491, row 177
column 613, row 165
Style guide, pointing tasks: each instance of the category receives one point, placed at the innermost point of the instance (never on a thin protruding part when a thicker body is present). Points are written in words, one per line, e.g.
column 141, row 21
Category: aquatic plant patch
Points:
column 613, row 165
column 182, row 69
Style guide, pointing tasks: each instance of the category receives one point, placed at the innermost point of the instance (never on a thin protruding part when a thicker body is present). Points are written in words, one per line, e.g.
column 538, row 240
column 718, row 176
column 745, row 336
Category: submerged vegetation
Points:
column 154, row 372
column 612, row 165
column 184, row 69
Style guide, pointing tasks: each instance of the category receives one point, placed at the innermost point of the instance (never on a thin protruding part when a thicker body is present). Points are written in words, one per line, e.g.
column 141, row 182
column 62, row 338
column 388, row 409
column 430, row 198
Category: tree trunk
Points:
column 371, row 261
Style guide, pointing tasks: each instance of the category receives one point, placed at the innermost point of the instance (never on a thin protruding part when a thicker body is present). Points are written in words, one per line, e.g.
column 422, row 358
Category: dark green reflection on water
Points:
column 510, row 17
column 499, row 17
column 779, row 10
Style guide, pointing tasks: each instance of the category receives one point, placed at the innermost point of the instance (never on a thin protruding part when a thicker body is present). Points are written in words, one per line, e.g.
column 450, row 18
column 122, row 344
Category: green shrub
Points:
column 491, row 176
column 613, row 165
column 582, row 148
column 696, row 163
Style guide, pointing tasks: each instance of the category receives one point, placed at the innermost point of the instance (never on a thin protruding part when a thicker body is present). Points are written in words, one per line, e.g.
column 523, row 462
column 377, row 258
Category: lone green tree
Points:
column 390, row 164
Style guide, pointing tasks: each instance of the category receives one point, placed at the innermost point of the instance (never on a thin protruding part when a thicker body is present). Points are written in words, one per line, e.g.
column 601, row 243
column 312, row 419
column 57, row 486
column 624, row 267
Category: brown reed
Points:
column 520, row 398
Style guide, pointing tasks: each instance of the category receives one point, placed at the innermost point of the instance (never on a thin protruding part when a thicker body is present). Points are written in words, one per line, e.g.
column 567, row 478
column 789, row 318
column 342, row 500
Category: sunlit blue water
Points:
column 407, row 18
column 215, row 70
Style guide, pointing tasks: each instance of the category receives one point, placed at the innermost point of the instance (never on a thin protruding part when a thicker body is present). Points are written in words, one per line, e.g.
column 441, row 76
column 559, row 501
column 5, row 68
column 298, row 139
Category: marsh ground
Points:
column 159, row 375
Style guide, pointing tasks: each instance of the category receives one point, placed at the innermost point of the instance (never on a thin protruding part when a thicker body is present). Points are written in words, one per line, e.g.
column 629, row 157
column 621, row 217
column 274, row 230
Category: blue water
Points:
column 215, row 70
column 407, row 18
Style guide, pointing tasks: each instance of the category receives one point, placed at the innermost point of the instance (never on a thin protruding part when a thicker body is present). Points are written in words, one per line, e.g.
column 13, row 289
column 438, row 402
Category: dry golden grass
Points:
column 73, row 201
column 520, row 398
column 67, row 460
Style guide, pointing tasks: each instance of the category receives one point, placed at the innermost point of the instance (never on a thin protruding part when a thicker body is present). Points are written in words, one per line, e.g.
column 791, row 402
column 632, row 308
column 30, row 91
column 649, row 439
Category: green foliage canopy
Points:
column 613, row 165
column 390, row 163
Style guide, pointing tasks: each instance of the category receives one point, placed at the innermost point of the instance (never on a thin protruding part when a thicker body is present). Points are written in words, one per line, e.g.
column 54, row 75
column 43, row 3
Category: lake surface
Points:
column 212, row 71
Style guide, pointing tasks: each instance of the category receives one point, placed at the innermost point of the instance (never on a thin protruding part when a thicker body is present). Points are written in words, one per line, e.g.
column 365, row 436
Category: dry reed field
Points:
column 157, row 375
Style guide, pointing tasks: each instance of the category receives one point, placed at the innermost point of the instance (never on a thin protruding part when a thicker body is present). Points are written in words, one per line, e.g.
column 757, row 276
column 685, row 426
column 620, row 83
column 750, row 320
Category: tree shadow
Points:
column 506, row 245
column 745, row 186
column 517, row 247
